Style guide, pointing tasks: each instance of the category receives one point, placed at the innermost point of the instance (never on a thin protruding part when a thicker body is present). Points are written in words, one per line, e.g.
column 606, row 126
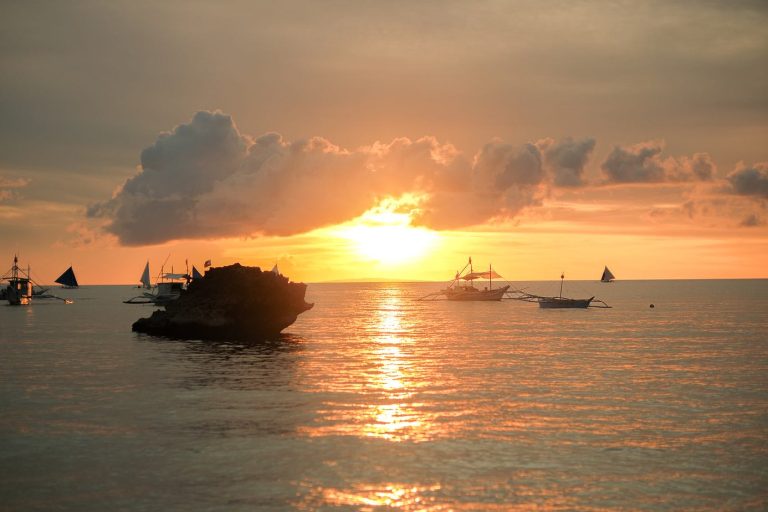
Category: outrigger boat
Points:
column 561, row 302
column 21, row 288
column 462, row 287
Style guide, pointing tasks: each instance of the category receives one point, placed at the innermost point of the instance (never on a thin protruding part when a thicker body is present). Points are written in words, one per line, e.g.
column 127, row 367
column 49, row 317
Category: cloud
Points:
column 206, row 179
column 700, row 166
column 501, row 181
column 717, row 210
column 6, row 182
column 751, row 221
column 750, row 181
column 9, row 187
column 567, row 159
column 159, row 203
column 84, row 235
column 738, row 200
column 642, row 163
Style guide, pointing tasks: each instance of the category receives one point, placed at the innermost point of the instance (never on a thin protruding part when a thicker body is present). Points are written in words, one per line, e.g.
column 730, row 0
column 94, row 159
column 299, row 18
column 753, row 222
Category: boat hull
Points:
column 563, row 303
column 18, row 292
column 473, row 294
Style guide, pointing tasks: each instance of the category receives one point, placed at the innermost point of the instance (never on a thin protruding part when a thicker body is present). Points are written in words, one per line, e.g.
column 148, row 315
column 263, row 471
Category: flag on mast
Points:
column 207, row 263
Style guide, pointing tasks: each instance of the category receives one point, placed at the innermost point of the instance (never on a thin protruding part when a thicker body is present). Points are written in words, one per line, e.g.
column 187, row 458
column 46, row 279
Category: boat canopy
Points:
column 68, row 278
column 488, row 274
column 175, row 276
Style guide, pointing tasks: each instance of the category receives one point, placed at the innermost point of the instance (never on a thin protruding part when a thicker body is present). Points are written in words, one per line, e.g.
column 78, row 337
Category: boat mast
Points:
column 490, row 277
column 562, row 277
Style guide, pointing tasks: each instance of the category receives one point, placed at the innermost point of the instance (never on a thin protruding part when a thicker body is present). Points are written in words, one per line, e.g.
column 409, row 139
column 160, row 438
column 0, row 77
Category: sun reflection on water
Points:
column 396, row 419
column 382, row 379
column 371, row 497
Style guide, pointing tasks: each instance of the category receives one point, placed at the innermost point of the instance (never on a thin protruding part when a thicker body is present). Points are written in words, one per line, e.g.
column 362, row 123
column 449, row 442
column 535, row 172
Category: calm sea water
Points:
column 375, row 401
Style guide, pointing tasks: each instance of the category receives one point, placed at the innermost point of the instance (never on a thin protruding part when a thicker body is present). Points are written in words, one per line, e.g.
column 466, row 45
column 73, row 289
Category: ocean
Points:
column 376, row 401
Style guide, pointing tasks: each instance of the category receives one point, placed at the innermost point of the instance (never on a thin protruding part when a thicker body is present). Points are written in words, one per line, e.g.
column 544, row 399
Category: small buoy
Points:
column 652, row 306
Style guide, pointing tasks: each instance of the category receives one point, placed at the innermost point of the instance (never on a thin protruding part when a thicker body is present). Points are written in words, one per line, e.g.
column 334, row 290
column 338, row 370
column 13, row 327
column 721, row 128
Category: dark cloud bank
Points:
column 205, row 179
column 642, row 163
column 750, row 180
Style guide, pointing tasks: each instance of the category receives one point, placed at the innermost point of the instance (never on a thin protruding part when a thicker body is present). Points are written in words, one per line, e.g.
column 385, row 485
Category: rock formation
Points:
column 233, row 302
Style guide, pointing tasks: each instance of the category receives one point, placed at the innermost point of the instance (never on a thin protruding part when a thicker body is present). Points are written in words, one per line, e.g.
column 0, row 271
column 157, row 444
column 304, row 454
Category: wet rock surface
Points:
column 233, row 302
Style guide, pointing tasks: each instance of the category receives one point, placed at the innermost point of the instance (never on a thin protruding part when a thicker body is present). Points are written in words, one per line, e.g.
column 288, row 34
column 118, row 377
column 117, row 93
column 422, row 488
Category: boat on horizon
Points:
column 607, row 276
column 561, row 302
column 18, row 292
column 167, row 288
column 462, row 287
column 68, row 279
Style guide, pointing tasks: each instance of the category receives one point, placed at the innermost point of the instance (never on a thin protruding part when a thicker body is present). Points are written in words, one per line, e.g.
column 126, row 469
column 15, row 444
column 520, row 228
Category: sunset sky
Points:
column 354, row 140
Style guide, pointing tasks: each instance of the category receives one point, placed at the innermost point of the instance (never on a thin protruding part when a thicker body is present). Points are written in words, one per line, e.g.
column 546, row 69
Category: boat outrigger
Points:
column 561, row 302
column 462, row 287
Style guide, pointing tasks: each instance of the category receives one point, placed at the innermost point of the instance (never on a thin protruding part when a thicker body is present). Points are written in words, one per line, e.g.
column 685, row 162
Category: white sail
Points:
column 275, row 271
column 145, row 277
column 607, row 276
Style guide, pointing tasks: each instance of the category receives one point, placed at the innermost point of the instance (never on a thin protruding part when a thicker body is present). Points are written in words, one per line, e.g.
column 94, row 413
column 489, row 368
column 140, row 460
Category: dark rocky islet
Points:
column 232, row 302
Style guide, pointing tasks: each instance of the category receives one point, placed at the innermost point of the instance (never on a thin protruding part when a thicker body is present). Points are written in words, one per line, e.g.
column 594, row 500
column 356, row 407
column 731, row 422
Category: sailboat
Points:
column 144, row 279
column 607, row 276
column 462, row 288
column 68, row 279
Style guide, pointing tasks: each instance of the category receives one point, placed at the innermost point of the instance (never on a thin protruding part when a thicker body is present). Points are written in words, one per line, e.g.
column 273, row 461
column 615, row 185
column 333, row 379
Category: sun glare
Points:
column 388, row 237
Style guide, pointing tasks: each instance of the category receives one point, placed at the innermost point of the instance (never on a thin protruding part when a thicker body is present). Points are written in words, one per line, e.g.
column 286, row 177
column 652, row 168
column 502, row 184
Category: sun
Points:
column 387, row 237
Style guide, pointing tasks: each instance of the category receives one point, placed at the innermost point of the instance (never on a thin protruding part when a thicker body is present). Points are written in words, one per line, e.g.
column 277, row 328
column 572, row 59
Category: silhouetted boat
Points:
column 167, row 289
column 462, row 288
column 18, row 292
column 68, row 279
column 144, row 279
column 607, row 276
column 561, row 302
column 564, row 302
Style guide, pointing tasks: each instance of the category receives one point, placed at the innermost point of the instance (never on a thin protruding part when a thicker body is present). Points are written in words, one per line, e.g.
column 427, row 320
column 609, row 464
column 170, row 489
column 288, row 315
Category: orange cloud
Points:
column 205, row 179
